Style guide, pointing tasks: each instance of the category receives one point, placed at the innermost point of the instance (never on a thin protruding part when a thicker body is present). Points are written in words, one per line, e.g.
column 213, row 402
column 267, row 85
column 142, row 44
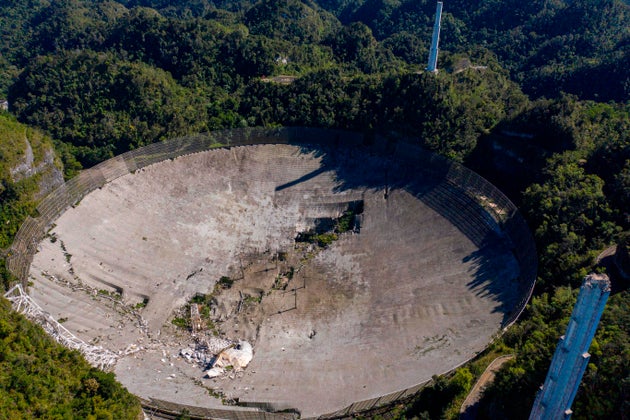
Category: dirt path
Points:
column 469, row 407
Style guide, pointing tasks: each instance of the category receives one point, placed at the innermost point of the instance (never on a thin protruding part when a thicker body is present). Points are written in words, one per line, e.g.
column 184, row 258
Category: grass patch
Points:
column 252, row 299
column 142, row 304
column 225, row 282
column 181, row 322
column 322, row 240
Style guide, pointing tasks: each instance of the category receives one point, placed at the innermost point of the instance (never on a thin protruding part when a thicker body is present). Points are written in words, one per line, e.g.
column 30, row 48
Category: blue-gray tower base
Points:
column 569, row 362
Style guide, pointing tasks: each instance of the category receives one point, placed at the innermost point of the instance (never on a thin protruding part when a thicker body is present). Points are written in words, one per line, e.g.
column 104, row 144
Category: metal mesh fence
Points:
column 474, row 205
column 167, row 409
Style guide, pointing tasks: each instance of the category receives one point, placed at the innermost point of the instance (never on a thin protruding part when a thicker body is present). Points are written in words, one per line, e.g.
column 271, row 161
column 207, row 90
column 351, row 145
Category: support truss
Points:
column 97, row 356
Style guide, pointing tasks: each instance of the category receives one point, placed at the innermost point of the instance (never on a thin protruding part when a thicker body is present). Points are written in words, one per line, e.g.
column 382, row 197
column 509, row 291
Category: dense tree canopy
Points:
column 579, row 47
column 101, row 105
column 41, row 379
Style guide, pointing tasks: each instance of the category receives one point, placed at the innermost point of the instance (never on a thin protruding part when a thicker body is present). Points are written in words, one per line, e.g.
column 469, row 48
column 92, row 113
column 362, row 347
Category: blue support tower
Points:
column 433, row 54
column 569, row 362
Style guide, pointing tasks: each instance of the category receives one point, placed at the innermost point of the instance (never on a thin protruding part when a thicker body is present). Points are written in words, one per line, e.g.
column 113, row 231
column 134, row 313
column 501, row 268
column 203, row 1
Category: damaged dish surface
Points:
column 329, row 314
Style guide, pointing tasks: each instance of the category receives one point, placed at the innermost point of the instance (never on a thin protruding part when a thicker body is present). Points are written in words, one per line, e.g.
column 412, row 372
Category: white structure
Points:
column 433, row 54
column 97, row 356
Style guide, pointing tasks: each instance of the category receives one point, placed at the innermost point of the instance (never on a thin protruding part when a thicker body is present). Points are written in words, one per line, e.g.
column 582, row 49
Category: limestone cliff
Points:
column 29, row 170
column 26, row 153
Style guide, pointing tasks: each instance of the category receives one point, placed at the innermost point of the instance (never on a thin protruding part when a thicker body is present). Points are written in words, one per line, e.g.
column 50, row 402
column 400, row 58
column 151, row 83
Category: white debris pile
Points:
column 205, row 350
column 220, row 353
column 234, row 358
column 199, row 357
column 131, row 349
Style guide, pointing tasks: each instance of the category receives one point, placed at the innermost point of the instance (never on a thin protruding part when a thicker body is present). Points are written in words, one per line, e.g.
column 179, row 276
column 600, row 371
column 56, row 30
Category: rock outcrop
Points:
column 28, row 153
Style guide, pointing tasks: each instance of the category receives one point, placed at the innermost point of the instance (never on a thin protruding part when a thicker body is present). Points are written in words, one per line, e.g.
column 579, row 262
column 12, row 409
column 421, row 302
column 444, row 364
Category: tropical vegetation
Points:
column 532, row 95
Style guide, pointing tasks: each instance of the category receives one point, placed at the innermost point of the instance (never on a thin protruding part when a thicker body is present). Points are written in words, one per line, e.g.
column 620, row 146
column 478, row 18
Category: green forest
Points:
column 532, row 95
